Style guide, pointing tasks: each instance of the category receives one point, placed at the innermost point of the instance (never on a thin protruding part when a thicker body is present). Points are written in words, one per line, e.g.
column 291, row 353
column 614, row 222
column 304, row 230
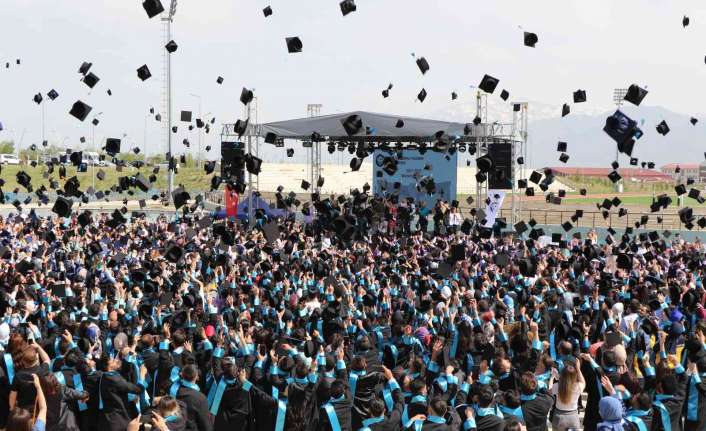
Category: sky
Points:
column 346, row 61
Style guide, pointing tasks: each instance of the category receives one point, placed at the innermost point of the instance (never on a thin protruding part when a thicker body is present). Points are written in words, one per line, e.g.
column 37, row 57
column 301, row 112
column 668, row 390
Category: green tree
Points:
column 7, row 147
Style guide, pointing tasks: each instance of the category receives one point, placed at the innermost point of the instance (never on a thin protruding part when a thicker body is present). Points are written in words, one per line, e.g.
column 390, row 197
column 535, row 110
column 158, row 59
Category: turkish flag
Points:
column 231, row 197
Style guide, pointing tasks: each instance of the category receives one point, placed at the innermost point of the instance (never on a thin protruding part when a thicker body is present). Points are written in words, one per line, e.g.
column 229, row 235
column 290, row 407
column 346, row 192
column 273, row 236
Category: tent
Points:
column 381, row 126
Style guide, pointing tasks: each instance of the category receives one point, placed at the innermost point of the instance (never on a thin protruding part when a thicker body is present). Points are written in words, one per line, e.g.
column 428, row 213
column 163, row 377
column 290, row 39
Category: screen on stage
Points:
column 410, row 173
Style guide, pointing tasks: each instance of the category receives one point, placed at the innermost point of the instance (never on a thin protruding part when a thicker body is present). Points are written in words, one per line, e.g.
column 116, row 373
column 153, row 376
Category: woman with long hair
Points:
column 59, row 397
column 30, row 361
column 567, row 392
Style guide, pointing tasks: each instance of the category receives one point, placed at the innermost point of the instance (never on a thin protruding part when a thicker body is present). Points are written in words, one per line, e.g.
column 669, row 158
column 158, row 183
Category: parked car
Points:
column 9, row 159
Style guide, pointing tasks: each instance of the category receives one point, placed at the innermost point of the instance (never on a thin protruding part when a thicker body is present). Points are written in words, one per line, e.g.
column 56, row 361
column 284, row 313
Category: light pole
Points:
column 198, row 155
column 167, row 90
column 618, row 97
column 93, row 144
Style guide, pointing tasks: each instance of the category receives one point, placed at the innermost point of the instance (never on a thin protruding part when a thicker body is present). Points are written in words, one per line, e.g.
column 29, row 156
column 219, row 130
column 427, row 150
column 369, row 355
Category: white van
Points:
column 9, row 159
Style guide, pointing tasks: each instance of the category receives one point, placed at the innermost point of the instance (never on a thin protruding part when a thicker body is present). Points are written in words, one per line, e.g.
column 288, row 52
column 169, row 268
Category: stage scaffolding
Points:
column 481, row 135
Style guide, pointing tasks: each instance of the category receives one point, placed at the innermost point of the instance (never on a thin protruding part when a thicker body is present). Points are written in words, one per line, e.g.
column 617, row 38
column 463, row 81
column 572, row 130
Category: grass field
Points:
column 192, row 178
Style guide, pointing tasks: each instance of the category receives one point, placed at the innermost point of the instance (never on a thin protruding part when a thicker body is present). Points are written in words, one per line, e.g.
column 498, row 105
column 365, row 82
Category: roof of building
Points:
column 681, row 166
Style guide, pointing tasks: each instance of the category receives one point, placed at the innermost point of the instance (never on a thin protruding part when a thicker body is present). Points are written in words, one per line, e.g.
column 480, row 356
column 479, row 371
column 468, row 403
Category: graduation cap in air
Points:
column 347, row 6
column 614, row 176
column 530, row 39
column 454, row 96
column 52, row 94
column 267, row 11
column 521, row 227
column 693, row 121
column 76, row 158
column 171, row 46
column 62, row 207
column 209, row 166
column 635, row 94
column 685, row 21
column 246, row 97
column 38, row 98
column 422, row 95
column 294, row 44
column 91, row 80
column 352, row 124
column 241, row 126
column 84, row 68
column 185, row 116
column 565, row 110
column 356, row 163
column 488, row 84
column 663, row 128
column 620, row 127
column 144, row 72
column 423, row 65
column 180, row 197
column 84, row 219
column 564, row 157
column 80, row 110
column 680, row 189
column 579, row 96
column 561, row 146
column 305, row 185
column 153, row 7
column 504, row 95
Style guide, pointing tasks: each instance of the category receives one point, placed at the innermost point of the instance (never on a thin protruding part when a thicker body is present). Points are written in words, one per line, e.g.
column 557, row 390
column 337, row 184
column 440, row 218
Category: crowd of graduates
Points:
column 199, row 324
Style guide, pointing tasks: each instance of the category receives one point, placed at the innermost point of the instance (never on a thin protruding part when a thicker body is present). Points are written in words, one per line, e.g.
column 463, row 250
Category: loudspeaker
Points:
column 500, row 177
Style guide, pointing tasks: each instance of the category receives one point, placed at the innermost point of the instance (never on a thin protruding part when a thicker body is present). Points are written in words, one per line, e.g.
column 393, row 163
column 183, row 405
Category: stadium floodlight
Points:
column 172, row 9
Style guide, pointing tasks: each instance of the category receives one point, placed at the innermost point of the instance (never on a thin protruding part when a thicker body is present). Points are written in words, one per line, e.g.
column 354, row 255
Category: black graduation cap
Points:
column 521, row 227
column 663, row 128
column 529, row 191
column 504, row 95
column 633, row 161
column 520, row 160
column 356, row 163
column 561, row 146
column 320, row 182
column 144, row 72
column 454, row 96
column 52, row 94
column 294, row 44
column 209, row 166
column 347, row 6
column 246, row 97
column 91, row 80
column 180, row 197
column 62, row 206
column 685, row 21
column 84, row 68
column 76, row 158
column 693, row 121
column 680, row 189
column 564, row 157
column 110, row 93
column 635, row 94
column 488, row 84
column 84, row 219
column 267, row 11
column 694, row 193
column 423, row 64
column 38, row 98
column 253, row 164
column 271, row 230
column 579, row 96
column 565, row 110
column 100, row 174
column 530, row 39
column 535, row 177
column 352, row 124
column 153, row 7
column 614, row 176
column 422, row 95
column 171, row 46
column 305, row 185
column 186, row 116
column 80, row 110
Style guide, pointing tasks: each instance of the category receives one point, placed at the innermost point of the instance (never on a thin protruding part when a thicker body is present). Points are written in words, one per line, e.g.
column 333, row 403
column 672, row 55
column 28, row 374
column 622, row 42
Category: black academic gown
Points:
column 198, row 416
column 117, row 411
column 343, row 412
column 536, row 412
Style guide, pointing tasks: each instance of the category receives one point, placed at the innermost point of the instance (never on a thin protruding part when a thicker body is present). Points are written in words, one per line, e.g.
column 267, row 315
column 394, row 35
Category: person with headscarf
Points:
column 611, row 410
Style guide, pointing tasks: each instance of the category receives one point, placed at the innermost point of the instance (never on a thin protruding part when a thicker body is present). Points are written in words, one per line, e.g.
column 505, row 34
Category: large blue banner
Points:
column 410, row 172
